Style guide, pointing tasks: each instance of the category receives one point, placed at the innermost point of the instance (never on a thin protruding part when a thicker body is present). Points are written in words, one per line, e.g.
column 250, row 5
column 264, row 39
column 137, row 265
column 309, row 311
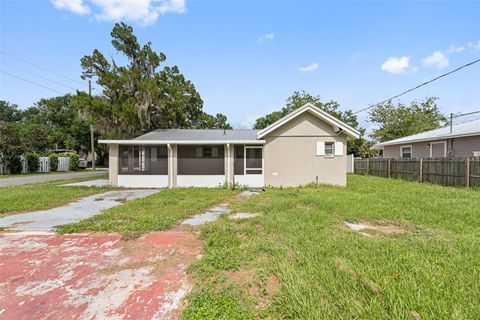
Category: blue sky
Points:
column 246, row 57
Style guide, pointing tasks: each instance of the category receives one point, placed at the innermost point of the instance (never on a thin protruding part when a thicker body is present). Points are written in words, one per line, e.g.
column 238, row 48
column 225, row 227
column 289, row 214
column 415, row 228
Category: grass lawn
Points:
column 299, row 261
column 40, row 196
column 156, row 212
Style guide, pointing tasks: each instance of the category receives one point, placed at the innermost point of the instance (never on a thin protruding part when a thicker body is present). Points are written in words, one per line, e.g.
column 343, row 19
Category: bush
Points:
column 33, row 162
column 14, row 163
column 74, row 161
column 53, row 159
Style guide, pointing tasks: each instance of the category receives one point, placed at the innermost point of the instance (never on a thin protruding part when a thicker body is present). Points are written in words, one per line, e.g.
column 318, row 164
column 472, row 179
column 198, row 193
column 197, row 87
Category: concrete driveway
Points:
column 73, row 212
column 99, row 276
column 50, row 177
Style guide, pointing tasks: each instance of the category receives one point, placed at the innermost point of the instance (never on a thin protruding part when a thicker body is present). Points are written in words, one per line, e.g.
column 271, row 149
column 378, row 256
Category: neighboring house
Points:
column 308, row 145
column 461, row 140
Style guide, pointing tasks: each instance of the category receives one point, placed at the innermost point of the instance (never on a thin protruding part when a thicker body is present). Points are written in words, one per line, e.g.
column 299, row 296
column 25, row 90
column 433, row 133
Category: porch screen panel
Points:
column 238, row 161
column 253, row 161
column 159, row 160
column 201, row 160
column 143, row 160
column 123, row 164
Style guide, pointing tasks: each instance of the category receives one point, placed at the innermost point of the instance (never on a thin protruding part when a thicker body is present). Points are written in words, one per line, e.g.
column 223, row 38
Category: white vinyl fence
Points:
column 44, row 165
column 350, row 163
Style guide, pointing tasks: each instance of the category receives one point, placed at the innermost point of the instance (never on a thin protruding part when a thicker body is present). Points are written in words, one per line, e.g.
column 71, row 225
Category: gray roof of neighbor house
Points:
column 192, row 136
column 470, row 128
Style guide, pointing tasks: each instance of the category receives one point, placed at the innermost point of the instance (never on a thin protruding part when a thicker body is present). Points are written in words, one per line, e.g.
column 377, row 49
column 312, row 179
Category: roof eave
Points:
column 395, row 143
column 185, row 142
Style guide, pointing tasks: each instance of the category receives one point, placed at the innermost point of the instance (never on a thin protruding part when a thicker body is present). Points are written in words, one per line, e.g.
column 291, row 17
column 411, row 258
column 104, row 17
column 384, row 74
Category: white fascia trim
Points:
column 190, row 142
column 395, row 143
column 319, row 113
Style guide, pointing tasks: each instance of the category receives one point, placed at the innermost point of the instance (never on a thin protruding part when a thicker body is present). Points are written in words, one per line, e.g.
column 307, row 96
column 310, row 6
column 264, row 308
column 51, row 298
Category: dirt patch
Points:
column 376, row 229
column 262, row 290
column 368, row 283
column 414, row 315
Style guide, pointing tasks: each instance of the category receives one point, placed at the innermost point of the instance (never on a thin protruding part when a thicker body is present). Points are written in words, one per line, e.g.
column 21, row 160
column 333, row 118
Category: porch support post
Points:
column 113, row 164
column 229, row 164
column 172, row 165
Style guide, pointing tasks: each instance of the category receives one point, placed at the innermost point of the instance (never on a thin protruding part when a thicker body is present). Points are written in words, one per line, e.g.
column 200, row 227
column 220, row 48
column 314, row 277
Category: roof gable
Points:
column 334, row 122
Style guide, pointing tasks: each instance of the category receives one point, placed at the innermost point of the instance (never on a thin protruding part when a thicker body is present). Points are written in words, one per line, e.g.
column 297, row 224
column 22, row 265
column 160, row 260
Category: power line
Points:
column 420, row 85
column 32, row 82
column 37, row 75
column 43, row 68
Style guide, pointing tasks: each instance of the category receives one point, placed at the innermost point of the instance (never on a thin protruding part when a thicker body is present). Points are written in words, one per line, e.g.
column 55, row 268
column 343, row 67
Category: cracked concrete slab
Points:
column 100, row 276
column 73, row 212
column 214, row 213
column 89, row 183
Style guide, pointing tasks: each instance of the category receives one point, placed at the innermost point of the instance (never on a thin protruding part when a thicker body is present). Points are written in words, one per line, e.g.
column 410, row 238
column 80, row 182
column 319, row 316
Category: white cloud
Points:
column 354, row 57
column 309, row 68
column 455, row 49
column 396, row 65
column 477, row 46
column 75, row 6
column 436, row 59
column 143, row 11
column 267, row 37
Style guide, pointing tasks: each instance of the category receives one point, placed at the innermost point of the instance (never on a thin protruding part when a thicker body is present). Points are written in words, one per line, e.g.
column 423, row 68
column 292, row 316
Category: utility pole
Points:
column 92, row 140
column 451, row 122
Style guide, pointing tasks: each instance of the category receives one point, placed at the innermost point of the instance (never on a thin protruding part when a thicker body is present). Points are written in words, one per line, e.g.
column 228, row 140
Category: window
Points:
column 253, row 160
column 329, row 148
column 207, row 152
column 406, row 152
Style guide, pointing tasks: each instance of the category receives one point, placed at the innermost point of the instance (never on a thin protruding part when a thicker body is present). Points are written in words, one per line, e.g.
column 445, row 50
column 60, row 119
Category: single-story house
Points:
column 308, row 145
column 461, row 140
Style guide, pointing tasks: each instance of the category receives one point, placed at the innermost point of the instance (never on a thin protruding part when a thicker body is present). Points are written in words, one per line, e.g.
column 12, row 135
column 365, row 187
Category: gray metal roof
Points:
column 200, row 135
column 470, row 128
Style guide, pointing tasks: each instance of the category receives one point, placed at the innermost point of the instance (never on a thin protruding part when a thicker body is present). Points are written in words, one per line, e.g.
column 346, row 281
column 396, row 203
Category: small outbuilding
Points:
column 306, row 146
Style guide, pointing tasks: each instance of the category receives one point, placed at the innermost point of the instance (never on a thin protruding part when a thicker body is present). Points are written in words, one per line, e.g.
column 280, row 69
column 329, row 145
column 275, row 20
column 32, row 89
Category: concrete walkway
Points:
column 73, row 212
column 50, row 177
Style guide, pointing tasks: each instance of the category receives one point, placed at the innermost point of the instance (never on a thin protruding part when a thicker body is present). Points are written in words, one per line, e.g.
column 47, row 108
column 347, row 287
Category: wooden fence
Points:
column 444, row 171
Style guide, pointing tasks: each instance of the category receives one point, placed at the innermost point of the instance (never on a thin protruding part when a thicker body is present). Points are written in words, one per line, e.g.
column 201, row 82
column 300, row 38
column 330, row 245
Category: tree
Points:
column 300, row 98
column 9, row 112
column 402, row 120
column 140, row 96
column 55, row 123
column 11, row 147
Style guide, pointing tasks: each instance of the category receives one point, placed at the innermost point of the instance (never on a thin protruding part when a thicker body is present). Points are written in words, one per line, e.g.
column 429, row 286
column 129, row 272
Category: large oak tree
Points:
column 141, row 95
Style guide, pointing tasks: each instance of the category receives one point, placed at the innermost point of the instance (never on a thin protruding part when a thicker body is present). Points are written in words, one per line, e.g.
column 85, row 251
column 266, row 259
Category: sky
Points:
column 246, row 57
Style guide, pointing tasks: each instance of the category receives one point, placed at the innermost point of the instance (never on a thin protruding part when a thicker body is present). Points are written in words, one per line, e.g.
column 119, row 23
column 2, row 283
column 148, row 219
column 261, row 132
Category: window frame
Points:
column 444, row 148
column 405, row 147
column 325, row 148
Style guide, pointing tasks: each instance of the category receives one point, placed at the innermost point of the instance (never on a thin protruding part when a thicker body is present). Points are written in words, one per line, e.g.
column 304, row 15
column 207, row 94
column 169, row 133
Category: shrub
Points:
column 74, row 161
column 14, row 163
column 53, row 162
column 33, row 161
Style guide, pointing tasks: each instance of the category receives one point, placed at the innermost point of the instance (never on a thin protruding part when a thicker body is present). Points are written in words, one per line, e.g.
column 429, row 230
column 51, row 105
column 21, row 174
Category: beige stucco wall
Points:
column 462, row 147
column 290, row 154
column 113, row 164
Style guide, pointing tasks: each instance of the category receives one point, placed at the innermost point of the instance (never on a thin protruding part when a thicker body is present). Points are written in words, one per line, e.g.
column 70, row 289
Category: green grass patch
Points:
column 45, row 195
column 327, row 271
column 155, row 212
